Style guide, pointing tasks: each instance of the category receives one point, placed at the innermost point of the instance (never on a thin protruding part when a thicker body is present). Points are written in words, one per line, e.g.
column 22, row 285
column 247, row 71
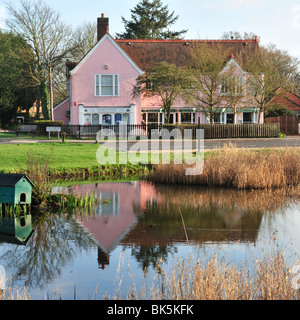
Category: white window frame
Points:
column 239, row 88
column 193, row 118
column 115, row 85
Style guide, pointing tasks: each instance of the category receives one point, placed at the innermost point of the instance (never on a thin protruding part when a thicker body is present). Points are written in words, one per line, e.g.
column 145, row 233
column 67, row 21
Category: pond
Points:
column 104, row 253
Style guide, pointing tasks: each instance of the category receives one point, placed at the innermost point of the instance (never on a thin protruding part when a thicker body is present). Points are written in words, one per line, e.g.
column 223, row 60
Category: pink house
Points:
column 100, row 85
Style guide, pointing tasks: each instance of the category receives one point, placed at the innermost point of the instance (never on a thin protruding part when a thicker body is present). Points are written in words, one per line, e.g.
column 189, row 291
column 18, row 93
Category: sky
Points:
column 274, row 21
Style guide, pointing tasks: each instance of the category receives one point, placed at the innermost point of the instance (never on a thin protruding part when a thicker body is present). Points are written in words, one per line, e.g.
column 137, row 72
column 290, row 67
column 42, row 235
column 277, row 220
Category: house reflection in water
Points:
column 141, row 214
column 204, row 215
column 114, row 214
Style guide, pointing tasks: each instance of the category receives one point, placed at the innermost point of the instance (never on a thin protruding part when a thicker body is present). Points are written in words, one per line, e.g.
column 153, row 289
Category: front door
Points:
column 95, row 119
column 230, row 118
column 118, row 118
column 106, row 119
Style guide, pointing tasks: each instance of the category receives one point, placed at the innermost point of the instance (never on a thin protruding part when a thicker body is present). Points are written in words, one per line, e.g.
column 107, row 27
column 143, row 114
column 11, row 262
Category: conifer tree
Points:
column 150, row 19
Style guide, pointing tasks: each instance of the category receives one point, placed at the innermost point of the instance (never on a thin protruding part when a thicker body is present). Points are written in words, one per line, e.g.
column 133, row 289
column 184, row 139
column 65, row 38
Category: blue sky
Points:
column 275, row 21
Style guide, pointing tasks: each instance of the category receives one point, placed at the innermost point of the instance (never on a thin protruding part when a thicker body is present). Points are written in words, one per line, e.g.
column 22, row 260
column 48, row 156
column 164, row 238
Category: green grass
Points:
column 71, row 159
column 13, row 158
column 63, row 156
column 24, row 135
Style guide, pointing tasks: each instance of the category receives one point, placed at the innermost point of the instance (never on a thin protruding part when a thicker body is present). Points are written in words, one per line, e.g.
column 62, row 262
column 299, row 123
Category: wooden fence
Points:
column 288, row 124
column 221, row 131
column 215, row 131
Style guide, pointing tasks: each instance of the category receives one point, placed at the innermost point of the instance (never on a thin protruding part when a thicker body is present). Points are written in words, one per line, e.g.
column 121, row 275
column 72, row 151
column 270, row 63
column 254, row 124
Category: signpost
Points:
column 53, row 129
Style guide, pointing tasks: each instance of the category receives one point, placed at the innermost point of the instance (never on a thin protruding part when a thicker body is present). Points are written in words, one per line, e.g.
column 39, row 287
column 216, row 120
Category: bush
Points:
column 277, row 110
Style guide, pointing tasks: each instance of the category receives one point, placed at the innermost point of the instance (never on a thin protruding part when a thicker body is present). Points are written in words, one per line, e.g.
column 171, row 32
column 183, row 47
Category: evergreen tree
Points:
column 150, row 19
column 15, row 87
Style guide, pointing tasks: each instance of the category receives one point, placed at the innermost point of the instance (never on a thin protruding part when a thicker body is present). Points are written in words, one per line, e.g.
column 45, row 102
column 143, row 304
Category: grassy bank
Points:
column 227, row 167
column 65, row 161
column 237, row 168
column 13, row 158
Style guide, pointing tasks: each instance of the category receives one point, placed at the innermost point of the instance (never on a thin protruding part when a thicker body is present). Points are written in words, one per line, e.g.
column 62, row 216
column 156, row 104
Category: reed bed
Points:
column 7, row 210
column 240, row 169
column 62, row 203
column 14, row 293
column 213, row 279
column 269, row 278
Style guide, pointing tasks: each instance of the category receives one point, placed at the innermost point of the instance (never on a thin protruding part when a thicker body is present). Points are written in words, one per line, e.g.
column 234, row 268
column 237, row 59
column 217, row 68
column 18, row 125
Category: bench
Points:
column 27, row 128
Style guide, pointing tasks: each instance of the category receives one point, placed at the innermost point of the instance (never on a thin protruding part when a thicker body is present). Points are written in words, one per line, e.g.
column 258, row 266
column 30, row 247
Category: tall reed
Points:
column 241, row 169
column 213, row 279
column 14, row 293
column 37, row 170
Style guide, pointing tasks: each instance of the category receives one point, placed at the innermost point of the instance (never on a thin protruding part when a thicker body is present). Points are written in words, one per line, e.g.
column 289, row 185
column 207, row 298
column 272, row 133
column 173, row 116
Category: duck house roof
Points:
column 10, row 180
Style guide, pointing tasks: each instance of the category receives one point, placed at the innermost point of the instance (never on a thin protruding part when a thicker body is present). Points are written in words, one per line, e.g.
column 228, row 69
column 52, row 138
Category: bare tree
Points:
column 236, row 35
column 207, row 63
column 268, row 70
column 165, row 81
column 233, row 89
column 84, row 39
column 49, row 38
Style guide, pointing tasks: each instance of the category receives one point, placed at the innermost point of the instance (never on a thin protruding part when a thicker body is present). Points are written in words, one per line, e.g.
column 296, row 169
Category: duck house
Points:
column 15, row 189
column 16, row 230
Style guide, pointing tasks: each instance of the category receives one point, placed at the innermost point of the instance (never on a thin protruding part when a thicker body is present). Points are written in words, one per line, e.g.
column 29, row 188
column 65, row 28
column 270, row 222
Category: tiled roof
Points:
column 287, row 99
column 147, row 52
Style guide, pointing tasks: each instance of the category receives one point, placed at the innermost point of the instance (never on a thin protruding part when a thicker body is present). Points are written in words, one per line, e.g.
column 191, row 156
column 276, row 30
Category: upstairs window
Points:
column 232, row 86
column 107, row 85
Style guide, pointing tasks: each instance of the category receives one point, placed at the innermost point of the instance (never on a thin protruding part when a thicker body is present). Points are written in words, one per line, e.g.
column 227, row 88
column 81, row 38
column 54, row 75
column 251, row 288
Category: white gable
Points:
column 106, row 37
column 232, row 63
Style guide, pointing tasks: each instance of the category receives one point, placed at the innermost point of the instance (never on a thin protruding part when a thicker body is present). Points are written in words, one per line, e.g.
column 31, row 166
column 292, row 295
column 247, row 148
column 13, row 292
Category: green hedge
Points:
column 42, row 124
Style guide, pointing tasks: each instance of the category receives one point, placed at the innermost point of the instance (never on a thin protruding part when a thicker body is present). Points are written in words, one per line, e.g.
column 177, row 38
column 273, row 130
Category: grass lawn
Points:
column 24, row 135
column 13, row 158
column 66, row 156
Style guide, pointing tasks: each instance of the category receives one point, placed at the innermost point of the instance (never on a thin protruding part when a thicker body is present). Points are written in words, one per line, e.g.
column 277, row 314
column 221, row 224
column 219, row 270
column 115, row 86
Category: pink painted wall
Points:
column 108, row 229
column 60, row 111
column 83, row 80
column 247, row 102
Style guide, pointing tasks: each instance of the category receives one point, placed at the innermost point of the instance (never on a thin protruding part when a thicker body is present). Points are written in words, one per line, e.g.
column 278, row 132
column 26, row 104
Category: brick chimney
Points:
column 102, row 27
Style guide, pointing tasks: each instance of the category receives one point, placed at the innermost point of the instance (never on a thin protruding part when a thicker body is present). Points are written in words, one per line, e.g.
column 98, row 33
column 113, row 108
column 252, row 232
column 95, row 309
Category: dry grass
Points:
column 216, row 280
column 208, row 279
column 11, row 293
column 240, row 169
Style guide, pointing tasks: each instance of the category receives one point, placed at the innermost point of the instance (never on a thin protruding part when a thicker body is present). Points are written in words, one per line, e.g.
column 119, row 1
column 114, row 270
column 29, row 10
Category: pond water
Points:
column 134, row 225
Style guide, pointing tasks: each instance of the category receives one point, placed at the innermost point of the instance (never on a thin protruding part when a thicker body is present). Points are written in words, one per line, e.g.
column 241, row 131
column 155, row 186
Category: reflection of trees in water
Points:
column 209, row 214
column 248, row 200
column 150, row 255
column 55, row 241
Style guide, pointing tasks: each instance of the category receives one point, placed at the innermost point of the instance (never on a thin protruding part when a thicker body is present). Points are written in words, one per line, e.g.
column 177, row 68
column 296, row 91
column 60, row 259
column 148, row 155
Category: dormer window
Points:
column 107, row 85
column 232, row 86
